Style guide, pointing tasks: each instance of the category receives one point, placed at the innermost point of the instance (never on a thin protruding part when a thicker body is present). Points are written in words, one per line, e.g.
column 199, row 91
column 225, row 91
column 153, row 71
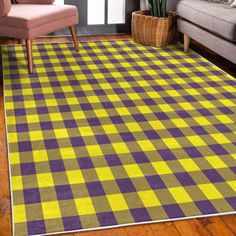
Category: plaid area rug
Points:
column 117, row 134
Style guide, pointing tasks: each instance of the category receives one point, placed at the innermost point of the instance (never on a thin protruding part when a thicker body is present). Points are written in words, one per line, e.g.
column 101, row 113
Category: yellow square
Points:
column 146, row 145
column 51, row 102
column 30, row 104
column 220, row 138
column 15, row 158
column 120, row 148
column 113, row 97
column 123, row 111
column 75, row 176
column 51, row 210
column 165, row 107
column 189, row 165
column 94, row 150
column 110, row 129
column 12, row 138
column 186, row 106
column 134, row 73
column 84, row 206
column 192, row 92
column 210, row 191
column 196, row 140
column 40, row 155
column 133, row 170
column 179, row 81
column 32, row 118
column 211, row 90
column 11, row 120
column 17, row 183
column 104, row 173
column 153, row 95
column 171, row 143
column 232, row 184
column 207, row 104
column 157, row 125
column 216, row 162
column 67, row 153
column 36, row 135
column 161, row 168
column 134, row 96
column 224, row 119
column 61, row 133
column 55, row 116
column 72, row 101
column 180, row 195
column 143, row 83
column 19, row 214
column 117, row 202
column 161, row 82
column 100, row 113
column 105, row 86
column 173, row 93
column 133, row 127
column 86, row 87
column 227, row 102
column 180, row 123
column 144, row 109
column 45, row 180
column 85, row 131
column 149, row 198
column 124, row 85
column 46, row 90
column 202, row 121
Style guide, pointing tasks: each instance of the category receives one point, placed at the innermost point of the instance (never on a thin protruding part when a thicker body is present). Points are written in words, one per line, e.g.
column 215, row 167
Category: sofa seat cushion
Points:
column 218, row 18
column 28, row 16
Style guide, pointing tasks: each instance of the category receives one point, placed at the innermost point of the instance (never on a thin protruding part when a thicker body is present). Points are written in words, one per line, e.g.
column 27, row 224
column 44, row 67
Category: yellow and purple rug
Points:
column 117, row 134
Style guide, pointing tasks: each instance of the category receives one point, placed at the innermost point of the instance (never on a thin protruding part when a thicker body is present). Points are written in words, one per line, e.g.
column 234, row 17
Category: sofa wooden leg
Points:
column 20, row 41
column 29, row 55
column 74, row 37
column 186, row 43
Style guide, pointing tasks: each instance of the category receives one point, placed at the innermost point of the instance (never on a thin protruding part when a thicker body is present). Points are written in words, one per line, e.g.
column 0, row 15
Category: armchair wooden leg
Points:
column 20, row 41
column 29, row 54
column 74, row 37
column 186, row 43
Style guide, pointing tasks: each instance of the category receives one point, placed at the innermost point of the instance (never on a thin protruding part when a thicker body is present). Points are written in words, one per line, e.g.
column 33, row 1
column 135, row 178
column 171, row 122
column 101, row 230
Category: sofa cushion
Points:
column 218, row 18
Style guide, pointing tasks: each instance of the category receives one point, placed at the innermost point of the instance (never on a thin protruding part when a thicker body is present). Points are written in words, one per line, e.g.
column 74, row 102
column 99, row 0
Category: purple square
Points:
column 127, row 137
column 185, row 179
column 199, row 130
column 22, row 127
column 95, row 189
column 92, row 81
column 80, row 94
column 183, row 114
column 128, row 103
column 99, row 92
column 77, row 142
column 93, row 121
column 56, row 165
column 42, row 110
column 228, row 95
column 32, row 195
column 51, row 144
column 64, row 108
column 204, row 112
column 157, row 88
column 46, row 125
column 24, row 146
column 36, row 227
column 176, row 132
column 140, row 215
column 169, row 100
column 119, row 90
column 86, row 107
column 18, row 98
column 139, row 117
column 140, row 157
column 164, row 76
column 222, row 128
column 28, row 168
column 173, row 211
column 149, row 101
column 206, row 207
column 125, row 185
column 190, row 98
column 107, row 105
column 116, row 120
column 167, row 155
column 176, row 87
column 151, row 134
column 113, row 160
column 71, row 223
column 213, row 176
column 209, row 97
column 70, row 124
column 55, row 83
column 59, row 95
column 155, row 182
column 218, row 149
column 226, row 110
column 64, row 192
column 106, row 218
column 19, row 112
column 39, row 97
column 138, row 89
column 233, row 169
column 102, row 139
column 193, row 152
column 232, row 202
column 16, row 86
column 74, row 82
column 161, row 116
column 85, row 163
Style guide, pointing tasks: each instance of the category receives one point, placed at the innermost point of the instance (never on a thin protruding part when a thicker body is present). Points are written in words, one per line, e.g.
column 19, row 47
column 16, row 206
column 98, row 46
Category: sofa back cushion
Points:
column 5, row 6
column 35, row 1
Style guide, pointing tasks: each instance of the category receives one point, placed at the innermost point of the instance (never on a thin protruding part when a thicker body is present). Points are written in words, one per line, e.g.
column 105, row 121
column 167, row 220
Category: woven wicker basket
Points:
column 154, row 31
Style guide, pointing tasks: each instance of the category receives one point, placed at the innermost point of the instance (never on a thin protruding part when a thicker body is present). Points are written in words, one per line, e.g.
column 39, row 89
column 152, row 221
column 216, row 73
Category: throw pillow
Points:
column 232, row 3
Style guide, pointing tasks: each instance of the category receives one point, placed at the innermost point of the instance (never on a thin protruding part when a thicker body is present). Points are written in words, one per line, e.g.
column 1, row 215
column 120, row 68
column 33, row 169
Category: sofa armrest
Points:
column 35, row 1
column 5, row 6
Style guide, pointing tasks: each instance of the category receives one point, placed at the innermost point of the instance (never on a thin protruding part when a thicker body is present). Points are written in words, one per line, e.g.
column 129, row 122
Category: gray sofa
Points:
column 209, row 23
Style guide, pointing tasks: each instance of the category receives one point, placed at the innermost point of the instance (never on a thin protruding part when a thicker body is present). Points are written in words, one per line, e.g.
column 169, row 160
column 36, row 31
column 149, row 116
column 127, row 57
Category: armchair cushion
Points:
column 35, row 1
column 5, row 6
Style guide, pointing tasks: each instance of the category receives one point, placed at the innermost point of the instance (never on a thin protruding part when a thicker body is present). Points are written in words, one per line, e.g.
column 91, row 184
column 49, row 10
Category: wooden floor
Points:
column 214, row 226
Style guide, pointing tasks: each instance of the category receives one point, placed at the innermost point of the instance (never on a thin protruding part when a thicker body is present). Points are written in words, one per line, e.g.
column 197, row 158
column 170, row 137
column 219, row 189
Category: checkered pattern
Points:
column 117, row 133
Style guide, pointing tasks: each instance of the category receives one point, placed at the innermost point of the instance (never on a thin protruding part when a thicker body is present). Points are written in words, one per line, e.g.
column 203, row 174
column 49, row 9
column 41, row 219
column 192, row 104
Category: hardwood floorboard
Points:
column 213, row 226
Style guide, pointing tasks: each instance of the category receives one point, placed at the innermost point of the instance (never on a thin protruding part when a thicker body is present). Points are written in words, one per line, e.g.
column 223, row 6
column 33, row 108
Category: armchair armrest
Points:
column 35, row 1
column 5, row 6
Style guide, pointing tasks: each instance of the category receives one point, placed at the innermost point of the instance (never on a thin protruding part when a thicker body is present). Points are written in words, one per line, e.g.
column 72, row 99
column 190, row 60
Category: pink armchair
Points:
column 29, row 19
